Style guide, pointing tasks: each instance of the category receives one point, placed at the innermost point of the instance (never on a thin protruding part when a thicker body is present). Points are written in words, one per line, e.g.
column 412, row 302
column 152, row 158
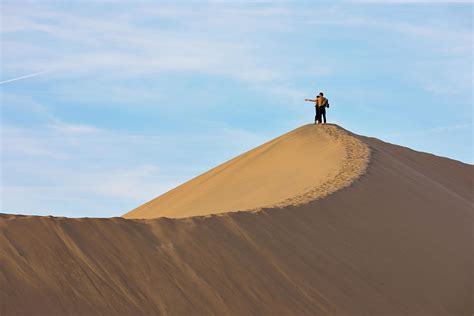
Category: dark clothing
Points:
column 322, row 113
column 317, row 118
column 321, row 104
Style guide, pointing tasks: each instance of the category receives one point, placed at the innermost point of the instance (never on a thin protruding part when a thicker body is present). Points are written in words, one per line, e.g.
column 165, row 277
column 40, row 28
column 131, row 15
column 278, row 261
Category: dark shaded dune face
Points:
column 396, row 241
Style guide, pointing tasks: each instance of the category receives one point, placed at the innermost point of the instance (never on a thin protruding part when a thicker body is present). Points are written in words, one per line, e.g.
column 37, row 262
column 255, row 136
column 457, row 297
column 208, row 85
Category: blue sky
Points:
column 127, row 99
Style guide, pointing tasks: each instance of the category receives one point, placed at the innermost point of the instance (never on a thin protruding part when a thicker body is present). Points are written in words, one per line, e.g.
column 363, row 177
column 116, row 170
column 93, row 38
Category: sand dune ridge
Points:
column 302, row 165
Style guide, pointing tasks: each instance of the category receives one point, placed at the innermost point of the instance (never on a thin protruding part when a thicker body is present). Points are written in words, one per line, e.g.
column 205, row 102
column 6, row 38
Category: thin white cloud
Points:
column 18, row 143
column 23, row 77
column 88, row 192
column 78, row 129
column 432, row 130
column 91, row 169
column 202, row 48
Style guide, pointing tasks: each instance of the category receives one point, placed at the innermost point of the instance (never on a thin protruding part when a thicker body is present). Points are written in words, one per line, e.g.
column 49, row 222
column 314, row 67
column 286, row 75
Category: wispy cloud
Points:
column 23, row 77
column 57, row 163
column 431, row 130
column 122, row 47
column 77, row 129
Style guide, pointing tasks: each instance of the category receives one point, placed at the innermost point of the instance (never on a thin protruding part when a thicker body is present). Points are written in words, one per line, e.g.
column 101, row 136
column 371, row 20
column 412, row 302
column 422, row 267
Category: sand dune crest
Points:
column 307, row 163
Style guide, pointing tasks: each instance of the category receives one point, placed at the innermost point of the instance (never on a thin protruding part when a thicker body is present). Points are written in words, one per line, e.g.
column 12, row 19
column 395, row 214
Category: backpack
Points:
column 325, row 103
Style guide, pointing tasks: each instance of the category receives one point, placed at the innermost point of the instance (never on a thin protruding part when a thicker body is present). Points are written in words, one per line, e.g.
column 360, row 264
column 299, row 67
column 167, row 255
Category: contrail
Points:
column 23, row 77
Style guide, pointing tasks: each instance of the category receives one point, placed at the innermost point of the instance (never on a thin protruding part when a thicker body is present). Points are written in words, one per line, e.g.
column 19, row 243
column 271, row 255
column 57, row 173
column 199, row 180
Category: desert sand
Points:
column 298, row 167
column 384, row 230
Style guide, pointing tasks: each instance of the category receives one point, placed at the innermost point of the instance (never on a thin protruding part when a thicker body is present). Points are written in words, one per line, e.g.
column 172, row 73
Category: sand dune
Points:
column 300, row 166
column 393, row 238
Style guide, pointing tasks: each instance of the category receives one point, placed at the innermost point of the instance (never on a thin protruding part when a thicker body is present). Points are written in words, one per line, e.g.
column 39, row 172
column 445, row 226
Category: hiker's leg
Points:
column 322, row 115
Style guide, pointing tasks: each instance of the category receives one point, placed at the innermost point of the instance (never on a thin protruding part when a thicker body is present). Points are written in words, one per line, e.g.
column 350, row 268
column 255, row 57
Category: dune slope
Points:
column 302, row 165
column 397, row 241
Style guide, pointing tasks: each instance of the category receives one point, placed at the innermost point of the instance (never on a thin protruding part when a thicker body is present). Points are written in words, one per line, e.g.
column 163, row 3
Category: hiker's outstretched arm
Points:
column 310, row 100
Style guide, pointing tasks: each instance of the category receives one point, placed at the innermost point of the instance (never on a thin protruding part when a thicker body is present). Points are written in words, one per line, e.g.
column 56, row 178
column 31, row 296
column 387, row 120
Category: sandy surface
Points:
column 307, row 163
column 396, row 241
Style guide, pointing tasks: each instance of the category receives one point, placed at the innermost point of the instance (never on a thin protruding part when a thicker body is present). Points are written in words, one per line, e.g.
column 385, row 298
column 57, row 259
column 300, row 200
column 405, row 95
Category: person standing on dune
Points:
column 316, row 117
column 322, row 103
column 320, row 106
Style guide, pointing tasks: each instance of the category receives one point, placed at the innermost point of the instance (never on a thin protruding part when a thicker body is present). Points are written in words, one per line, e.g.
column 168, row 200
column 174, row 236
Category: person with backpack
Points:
column 321, row 103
